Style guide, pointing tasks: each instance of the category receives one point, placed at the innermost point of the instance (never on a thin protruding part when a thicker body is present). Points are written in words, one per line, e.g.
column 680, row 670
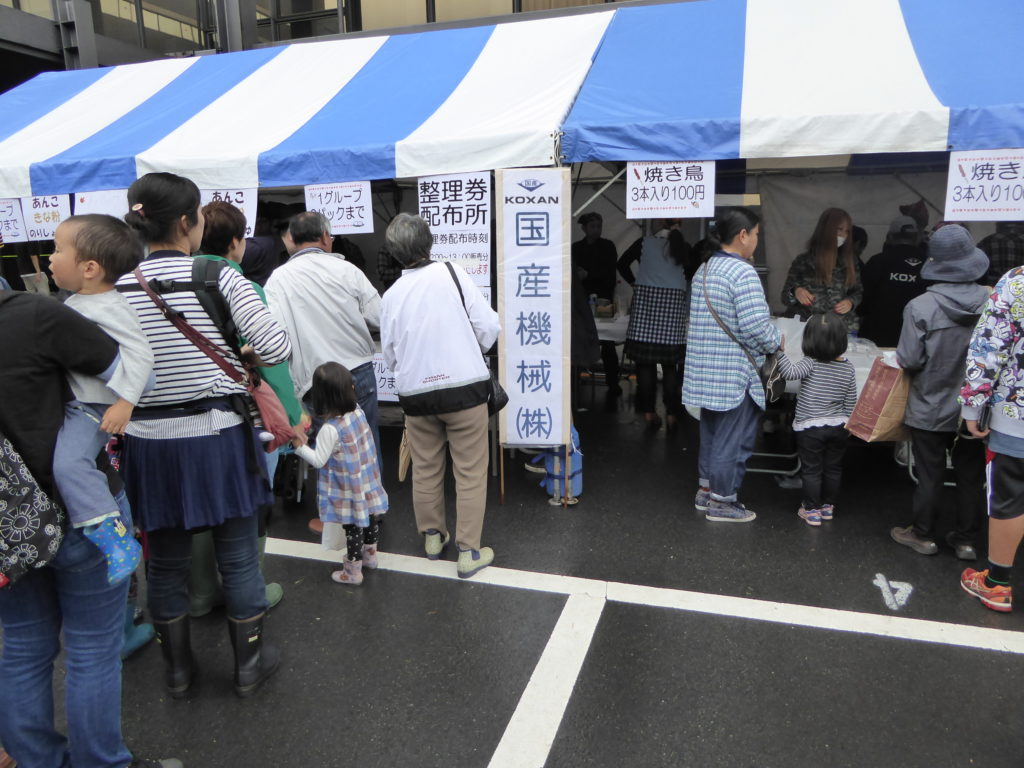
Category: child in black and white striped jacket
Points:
column 828, row 393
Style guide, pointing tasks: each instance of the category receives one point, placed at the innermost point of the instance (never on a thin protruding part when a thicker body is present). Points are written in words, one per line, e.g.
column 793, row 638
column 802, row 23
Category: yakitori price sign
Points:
column 985, row 185
column 670, row 190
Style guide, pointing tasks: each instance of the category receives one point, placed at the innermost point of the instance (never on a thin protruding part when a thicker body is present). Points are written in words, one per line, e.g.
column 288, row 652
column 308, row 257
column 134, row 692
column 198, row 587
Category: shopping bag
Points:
column 878, row 415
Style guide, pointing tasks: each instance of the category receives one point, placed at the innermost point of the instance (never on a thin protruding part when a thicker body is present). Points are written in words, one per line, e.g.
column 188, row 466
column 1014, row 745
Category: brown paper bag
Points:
column 878, row 415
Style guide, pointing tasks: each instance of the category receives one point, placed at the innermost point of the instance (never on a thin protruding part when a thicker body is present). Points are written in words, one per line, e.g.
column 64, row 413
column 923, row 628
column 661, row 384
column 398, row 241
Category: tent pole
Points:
column 599, row 192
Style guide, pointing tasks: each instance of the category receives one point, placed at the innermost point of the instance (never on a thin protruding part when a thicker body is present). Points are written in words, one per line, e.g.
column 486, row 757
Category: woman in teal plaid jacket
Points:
column 719, row 378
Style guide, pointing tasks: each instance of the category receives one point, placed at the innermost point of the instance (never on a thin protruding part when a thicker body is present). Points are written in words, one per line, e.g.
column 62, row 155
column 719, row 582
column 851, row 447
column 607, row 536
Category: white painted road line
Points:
column 531, row 731
column 897, row 627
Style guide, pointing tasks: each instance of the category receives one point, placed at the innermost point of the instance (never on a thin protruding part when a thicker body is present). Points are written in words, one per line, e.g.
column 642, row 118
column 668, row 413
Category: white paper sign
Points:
column 42, row 214
column 670, row 190
column 347, row 205
column 243, row 199
column 12, row 225
column 113, row 202
column 985, row 185
column 533, row 302
column 387, row 390
column 458, row 209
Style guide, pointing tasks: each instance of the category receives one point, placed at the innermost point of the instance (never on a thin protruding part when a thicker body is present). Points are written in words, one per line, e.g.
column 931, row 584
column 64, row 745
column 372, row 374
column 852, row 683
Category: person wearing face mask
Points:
column 729, row 326
column 826, row 277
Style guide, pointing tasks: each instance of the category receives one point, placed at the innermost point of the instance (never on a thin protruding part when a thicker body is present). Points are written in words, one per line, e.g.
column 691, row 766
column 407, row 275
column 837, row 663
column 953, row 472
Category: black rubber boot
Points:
column 254, row 661
column 174, row 637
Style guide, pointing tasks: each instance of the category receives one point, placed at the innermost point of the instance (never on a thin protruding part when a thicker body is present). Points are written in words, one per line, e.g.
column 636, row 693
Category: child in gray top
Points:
column 92, row 251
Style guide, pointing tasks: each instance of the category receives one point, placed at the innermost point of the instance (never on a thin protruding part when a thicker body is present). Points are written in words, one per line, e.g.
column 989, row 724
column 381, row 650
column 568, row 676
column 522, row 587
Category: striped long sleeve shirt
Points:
column 828, row 391
column 183, row 372
column 718, row 374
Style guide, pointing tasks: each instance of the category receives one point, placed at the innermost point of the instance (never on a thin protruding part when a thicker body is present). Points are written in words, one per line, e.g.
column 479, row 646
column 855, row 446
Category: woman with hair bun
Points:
column 826, row 277
column 191, row 460
column 719, row 377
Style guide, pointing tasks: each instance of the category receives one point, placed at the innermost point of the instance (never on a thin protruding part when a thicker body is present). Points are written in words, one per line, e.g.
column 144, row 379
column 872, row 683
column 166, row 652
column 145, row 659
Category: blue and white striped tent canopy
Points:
column 707, row 79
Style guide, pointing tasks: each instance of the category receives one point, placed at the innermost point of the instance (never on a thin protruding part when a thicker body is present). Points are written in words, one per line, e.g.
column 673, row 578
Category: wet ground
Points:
column 625, row 630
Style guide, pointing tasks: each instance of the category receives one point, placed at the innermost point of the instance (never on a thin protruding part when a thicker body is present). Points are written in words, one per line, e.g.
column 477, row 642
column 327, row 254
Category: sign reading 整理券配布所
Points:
column 985, row 185
column 670, row 189
column 534, row 283
column 458, row 209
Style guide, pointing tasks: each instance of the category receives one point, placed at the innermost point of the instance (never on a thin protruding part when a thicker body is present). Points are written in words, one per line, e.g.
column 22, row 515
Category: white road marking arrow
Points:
column 893, row 600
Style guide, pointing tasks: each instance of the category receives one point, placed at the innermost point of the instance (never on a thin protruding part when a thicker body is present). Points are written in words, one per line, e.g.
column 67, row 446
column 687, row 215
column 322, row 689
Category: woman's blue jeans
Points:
column 170, row 561
column 71, row 593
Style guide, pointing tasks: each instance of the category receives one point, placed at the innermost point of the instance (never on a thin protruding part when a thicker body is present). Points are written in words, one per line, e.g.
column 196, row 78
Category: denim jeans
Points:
column 71, row 593
column 727, row 438
column 366, row 394
column 82, row 486
column 170, row 560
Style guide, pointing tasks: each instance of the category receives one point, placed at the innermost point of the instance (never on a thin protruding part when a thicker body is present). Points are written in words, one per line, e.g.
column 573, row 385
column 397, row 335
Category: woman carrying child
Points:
column 351, row 496
column 828, row 393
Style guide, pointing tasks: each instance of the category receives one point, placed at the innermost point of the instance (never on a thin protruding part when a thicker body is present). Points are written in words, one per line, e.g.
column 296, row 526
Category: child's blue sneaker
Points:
column 810, row 516
column 826, row 511
column 118, row 546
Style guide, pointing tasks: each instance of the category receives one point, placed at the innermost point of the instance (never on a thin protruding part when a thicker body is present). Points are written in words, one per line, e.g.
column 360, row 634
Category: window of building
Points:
column 381, row 14
column 457, row 10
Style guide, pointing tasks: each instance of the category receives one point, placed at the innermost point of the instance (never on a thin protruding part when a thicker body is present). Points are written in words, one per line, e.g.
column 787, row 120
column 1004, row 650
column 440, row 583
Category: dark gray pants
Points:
column 969, row 471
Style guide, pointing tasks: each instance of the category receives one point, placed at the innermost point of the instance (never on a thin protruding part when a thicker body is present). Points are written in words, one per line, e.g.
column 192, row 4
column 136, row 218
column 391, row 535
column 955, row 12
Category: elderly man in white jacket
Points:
column 432, row 338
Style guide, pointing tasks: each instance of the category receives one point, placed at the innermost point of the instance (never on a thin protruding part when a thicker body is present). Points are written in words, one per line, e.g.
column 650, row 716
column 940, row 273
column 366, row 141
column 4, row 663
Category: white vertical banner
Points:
column 243, row 199
column 534, row 286
column 113, row 202
column 12, row 225
column 347, row 205
column 458, row 209
column 42, row 214
column 670, row 190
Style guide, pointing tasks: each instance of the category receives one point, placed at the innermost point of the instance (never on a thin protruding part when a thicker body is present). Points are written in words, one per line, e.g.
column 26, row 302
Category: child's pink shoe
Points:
column 827, row 511
column 810, row 516
column 370, row 556
column 351, row 573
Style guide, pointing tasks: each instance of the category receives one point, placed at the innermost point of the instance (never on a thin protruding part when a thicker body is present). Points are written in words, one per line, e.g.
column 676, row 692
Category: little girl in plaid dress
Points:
column 351, row 496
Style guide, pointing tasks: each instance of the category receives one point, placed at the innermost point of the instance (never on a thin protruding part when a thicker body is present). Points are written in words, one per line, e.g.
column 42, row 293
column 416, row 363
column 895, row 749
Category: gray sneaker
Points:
column 700, row 501
column 908, row 538
column 728, row 512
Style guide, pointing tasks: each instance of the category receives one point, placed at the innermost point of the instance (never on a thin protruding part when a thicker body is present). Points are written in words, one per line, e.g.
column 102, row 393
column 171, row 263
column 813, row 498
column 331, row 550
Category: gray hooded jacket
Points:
column 937, row 328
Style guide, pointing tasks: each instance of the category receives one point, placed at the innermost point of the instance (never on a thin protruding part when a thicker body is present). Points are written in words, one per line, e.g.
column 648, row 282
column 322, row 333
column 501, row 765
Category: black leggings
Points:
column 356, row 537
column 647, row 388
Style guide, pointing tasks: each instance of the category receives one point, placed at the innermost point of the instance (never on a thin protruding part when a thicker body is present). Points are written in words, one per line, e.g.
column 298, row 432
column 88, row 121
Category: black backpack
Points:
column 205, row 285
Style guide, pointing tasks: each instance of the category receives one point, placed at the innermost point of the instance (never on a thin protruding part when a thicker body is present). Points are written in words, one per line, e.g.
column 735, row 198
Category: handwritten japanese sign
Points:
column 113, row 202
column 458, row 209
column 985, row 185
column 12, row 225
column 684, row 189
column 42, row 214
column 347, row 205
column 533, row 302
column 243, row 199
column 387, row 390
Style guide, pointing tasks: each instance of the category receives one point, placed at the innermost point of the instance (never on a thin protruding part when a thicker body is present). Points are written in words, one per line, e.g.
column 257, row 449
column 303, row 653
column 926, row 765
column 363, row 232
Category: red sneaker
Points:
column 998, row 598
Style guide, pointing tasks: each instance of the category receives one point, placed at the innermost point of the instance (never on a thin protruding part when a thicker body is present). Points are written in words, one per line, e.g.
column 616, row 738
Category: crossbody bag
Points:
column 771, row 378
